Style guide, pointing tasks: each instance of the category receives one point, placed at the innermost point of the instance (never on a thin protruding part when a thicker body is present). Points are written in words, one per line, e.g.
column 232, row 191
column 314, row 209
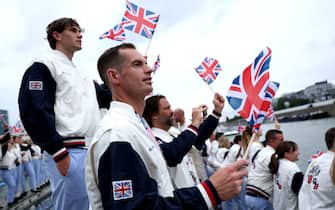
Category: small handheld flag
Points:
column 117, row 33
column 267, row 102
column 246, row 94
column 140, row 20
column 156, row 65
column 208, row 70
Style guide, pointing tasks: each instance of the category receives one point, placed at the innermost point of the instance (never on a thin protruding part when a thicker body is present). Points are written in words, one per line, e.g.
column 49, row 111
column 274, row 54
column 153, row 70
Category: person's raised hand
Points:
column 197, row 115
column 228, row 180
column 218, row 103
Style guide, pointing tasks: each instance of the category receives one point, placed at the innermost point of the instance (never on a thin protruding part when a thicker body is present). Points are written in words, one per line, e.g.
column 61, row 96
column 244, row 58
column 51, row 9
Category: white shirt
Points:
column 184, row 174
column 318, row 190
column 255, row 147
column 283, row 196
column 231, row 157
column 259, row 175
column 8, row 161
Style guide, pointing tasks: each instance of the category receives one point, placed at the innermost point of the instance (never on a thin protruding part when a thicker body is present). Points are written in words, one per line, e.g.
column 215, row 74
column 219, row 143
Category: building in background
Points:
column 319, row 91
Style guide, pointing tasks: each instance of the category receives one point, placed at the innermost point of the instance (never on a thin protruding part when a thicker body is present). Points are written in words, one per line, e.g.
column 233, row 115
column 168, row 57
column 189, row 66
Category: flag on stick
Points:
column 247, row 92
column 268, row 98
column 139, row 20
column 156, row 65
column 117, row 33
column 208, row 70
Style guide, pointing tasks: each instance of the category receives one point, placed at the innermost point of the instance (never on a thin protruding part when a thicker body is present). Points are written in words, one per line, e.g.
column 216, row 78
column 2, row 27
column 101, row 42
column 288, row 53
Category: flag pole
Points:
column 277, row 124
column 211, row 88
column 245, row 156
column 146, row 52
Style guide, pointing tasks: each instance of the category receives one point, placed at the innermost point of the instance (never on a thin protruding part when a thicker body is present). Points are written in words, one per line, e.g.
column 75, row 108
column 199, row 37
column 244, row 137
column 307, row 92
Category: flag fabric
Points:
column 117, row 33
column 271, row 114
column 157, row 64
column 17, row 128
column 267, row 102
column 209, row 69
column 139, row 20
column 247, row 92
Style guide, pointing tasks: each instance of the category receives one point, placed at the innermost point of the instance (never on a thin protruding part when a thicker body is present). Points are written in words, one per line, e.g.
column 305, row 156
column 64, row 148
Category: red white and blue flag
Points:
column 18, row 128
column 267, row 103
column 122, row 189
column 117, row 33
column 140, row 20
column 209, row 69
column 271, row 114
column 156, row 65
column 247, row 92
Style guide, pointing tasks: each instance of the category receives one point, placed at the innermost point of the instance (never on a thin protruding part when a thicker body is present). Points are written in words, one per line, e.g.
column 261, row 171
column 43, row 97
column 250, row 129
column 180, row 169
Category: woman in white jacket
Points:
column 287, row 176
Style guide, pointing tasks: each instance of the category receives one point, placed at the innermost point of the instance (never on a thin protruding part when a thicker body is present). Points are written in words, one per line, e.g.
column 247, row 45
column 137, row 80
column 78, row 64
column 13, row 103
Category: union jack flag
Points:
column 122, row 189
column 117, row 33
column 140, row 20
column 157, row 64
column 246, row 94
column 18, row 128
column 209, row 69
column 268, row 98
column 271, row 114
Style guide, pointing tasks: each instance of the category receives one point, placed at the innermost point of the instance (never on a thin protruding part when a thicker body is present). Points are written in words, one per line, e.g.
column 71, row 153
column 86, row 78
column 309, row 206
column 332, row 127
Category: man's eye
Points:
column 137, row 63
column 75, row 30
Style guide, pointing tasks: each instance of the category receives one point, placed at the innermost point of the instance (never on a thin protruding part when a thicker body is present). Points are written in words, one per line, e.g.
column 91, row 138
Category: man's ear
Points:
column 113, row 75
column 56, row 35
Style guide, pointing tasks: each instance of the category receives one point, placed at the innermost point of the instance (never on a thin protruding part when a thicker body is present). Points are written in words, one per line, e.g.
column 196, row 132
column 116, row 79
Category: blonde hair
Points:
column 223, row 142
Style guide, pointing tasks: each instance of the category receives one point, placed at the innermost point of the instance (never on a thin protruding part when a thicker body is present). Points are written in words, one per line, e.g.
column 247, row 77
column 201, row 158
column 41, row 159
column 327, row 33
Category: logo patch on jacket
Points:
column 122, row 189
column 35, row 85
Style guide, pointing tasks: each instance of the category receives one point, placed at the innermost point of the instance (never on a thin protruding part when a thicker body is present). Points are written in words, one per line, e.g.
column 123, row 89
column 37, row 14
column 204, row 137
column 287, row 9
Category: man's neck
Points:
column 138, row 105
column 67, row 53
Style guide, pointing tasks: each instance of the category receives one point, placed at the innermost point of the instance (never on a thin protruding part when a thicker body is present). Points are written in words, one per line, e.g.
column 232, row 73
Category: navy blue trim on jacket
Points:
column 206, row 129
column 37, row 108
column 297, row 180
column 175, row 150
column 120, row 162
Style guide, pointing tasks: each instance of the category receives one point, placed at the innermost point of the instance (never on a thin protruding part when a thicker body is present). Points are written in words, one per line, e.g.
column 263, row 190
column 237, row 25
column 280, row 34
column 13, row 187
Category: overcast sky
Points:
column 301, row 34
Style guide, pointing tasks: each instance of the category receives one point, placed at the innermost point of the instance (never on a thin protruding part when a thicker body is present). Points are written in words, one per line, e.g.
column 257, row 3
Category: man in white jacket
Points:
column 318, row 189
column 159, row 115
column 125, row 166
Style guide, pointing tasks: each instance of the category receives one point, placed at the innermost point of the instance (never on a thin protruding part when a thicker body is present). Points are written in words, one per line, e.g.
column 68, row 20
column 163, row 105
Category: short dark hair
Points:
column 112, row 58
column 330, row 138
column 271, row 134
column 151, row 108
column 59, row 26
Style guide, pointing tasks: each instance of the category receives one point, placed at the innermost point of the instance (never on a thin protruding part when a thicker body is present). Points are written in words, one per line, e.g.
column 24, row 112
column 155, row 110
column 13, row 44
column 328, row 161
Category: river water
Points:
column 309, row 135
